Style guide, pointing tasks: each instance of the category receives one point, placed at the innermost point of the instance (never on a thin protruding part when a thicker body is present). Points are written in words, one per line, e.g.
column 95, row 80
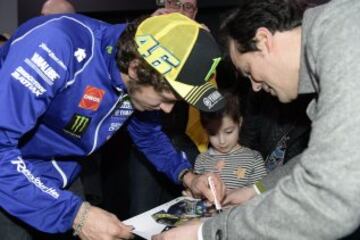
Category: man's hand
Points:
column 239, row 196
column 199, row 185
column 102, row 225
column 187, row 231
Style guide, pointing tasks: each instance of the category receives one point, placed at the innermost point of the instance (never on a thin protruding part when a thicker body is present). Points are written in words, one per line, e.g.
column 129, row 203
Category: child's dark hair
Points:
column 211, row 121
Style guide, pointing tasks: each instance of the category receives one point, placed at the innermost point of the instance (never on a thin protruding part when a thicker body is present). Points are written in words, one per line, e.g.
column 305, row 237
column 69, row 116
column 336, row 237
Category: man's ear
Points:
column 264, row 40
column 132, row 68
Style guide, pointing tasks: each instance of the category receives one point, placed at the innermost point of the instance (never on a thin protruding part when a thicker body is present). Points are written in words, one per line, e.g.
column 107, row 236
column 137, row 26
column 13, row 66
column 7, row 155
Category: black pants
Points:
column 13, row 229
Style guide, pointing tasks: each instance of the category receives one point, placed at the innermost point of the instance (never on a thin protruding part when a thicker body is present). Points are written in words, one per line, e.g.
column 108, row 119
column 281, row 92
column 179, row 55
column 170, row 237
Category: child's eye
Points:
column 229, row 131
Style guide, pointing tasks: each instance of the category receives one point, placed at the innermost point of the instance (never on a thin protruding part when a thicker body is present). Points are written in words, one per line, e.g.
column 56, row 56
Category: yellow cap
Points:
column 185, row 54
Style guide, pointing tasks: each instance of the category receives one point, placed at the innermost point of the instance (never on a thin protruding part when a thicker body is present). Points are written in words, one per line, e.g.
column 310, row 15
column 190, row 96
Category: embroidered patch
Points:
column 92, row 98
column 80, row 54
column 240, row 172
column 78, row 125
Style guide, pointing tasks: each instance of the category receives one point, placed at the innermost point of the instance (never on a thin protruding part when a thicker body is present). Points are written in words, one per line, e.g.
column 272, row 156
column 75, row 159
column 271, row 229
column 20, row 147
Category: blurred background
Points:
column 15, row 12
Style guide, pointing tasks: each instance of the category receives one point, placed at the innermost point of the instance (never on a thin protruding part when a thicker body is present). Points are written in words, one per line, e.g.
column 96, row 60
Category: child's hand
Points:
column 239, row 196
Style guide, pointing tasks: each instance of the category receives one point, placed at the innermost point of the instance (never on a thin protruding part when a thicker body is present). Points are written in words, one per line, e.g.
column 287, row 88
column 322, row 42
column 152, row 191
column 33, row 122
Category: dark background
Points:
column 115, row 9
column 15, row 12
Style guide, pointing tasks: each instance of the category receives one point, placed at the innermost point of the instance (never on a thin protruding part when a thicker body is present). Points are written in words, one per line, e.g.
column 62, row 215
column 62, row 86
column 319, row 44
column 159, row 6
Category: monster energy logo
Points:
column 77, row 125
column 109, row 49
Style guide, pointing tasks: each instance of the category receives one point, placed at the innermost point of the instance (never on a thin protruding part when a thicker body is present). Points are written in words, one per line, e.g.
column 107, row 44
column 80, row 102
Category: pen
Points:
column 212, row 189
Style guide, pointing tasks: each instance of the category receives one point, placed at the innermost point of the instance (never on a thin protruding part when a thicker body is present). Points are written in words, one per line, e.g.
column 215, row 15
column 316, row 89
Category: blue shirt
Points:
column 62, row 97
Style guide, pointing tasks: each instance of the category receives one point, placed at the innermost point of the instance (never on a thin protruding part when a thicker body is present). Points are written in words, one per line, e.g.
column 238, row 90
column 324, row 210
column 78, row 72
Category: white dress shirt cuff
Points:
column 199, row 233
column 256, row 189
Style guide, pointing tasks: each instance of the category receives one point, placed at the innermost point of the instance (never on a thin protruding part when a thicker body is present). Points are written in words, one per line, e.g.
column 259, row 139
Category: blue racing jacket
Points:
column 61, row 97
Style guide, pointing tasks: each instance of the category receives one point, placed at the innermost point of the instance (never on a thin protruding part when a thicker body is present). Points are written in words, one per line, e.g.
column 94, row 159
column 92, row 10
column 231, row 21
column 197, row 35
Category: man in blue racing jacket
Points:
column 68, row 83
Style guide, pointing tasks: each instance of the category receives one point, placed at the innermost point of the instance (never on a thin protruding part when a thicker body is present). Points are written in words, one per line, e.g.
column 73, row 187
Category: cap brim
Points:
column 205, row 97
column 193, row 81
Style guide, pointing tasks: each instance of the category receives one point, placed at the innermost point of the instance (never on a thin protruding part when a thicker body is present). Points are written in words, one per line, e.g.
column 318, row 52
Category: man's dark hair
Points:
column 127, row 52
column 211, row 121
column 275, row 15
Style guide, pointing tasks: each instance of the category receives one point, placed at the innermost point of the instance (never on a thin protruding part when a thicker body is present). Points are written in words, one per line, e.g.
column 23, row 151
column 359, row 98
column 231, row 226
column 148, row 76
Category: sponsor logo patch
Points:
column 52, row 55
column 41, row 67
column 109, row 49
column 114, row 127
column 124, row 108
column 212, row 99
column 80, row 54
column 92, row 98
column 78, row 125
column 122, row 111
column 21, row 168
column 28, row 81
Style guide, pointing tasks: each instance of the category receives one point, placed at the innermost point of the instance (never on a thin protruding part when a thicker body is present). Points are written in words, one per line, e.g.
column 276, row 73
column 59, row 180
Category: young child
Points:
column 237, row 165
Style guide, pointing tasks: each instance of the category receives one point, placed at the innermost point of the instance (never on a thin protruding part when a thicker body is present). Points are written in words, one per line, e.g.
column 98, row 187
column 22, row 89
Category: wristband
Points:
column 82, row 217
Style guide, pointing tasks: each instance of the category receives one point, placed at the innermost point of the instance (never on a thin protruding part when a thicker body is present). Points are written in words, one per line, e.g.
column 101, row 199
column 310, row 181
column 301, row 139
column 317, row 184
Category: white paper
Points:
column 145, row 226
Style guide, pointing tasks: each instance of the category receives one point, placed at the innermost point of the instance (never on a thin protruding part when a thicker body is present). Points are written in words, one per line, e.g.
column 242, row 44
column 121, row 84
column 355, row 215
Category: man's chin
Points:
column 286, row 99
column 138, row 108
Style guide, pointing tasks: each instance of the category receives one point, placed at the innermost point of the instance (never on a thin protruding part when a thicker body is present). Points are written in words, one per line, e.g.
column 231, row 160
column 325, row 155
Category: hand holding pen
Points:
column 213, row 191
column 198, row 186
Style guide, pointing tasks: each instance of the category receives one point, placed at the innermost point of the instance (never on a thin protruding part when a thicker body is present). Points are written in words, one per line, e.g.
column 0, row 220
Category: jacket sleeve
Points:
column 33, row 73
column 145, row 131
column 269, row 181
column 320, row 198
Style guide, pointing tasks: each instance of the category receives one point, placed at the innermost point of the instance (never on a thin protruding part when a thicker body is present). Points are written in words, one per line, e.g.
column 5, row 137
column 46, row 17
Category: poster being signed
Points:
column 168, row 215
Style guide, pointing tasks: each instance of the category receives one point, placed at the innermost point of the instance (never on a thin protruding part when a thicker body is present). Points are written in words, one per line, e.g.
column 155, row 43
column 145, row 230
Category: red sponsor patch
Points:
column 92, row 98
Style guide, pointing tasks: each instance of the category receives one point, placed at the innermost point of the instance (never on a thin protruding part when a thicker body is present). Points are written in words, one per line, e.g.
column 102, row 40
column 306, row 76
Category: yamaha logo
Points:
column 212, row 99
